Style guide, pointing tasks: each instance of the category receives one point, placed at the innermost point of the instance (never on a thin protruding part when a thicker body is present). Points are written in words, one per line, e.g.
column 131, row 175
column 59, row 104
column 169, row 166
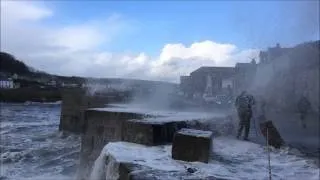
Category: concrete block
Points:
column 192, row 145
column 148, row 132
column 100, row 128
column 74, row 104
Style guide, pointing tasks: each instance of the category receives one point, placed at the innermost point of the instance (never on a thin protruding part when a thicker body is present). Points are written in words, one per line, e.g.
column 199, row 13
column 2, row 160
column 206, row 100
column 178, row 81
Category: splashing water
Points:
column 105, row 167
column 31, row 146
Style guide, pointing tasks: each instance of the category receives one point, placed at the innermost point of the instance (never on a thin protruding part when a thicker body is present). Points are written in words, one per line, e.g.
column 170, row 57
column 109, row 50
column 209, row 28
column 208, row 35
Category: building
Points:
column 208, row 80
column 271, row 54
column 185, row 85
column 52, row 83
column 244, row 75
column 211, row 81
column 6, row 83
column 15, row 76
column 70, row 85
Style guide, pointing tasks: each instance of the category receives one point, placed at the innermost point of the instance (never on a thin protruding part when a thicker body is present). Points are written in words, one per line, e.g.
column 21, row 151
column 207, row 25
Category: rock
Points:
column 192, row 145
column 191, row 170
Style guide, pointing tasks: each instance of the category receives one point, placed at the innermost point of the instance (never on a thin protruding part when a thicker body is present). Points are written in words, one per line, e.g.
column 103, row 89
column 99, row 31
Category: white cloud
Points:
column 206, row 49
column 177, row 59
column 15, row 11
column 72, row 49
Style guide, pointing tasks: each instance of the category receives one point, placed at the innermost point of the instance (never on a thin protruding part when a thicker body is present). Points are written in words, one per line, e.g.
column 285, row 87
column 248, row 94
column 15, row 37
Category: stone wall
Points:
column 102, row 127
column 74, row 104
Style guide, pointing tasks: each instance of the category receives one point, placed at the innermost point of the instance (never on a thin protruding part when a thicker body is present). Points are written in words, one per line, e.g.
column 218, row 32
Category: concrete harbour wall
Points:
column 102, row 127
column 74, row 104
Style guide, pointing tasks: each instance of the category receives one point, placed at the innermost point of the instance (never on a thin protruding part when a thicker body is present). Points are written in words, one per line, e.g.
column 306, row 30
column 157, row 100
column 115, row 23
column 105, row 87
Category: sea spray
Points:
column 99, row 167
column 112, row 170
column 105, row 167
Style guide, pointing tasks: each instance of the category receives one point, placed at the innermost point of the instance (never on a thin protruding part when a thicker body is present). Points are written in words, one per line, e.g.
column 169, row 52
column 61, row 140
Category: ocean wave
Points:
column 31, row 145
column 48, row 176
column 12, row 157
column 39, row 103
column 22, row 124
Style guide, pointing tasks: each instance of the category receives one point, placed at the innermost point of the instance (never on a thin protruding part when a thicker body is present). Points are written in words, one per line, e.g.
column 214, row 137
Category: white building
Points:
column 52, row 83
column 70, row 85
column 6, row 84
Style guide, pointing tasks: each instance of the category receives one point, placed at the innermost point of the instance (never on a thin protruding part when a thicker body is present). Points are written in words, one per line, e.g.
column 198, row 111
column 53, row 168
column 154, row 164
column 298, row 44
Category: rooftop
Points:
column 208, row 69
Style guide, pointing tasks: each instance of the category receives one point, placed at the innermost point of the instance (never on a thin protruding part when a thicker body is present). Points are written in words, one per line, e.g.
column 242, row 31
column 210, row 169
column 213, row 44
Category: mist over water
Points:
column 157, row 97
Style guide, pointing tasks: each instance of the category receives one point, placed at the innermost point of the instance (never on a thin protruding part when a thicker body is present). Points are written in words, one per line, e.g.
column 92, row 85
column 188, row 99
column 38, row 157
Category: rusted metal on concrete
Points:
column 273, row 137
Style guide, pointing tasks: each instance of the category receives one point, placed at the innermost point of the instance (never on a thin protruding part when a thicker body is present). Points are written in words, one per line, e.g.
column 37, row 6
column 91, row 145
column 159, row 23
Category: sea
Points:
column 31, row 145
column 32, row 148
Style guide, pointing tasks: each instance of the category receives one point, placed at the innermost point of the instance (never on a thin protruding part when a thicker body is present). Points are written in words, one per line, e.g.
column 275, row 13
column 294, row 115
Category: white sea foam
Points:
column 232, row 159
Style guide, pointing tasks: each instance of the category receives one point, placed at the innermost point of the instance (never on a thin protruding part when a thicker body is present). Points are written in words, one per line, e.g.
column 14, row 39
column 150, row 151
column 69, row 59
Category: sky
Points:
column 151, row 40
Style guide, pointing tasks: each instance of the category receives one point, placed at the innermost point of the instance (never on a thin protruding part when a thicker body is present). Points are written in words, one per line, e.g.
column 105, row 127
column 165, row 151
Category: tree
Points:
column 9, row 64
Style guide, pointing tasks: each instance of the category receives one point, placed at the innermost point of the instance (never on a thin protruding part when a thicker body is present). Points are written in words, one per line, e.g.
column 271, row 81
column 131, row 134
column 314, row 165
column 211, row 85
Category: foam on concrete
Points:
column 160, row 115
column 232, row 159
column 196, row 133
column 121, row 122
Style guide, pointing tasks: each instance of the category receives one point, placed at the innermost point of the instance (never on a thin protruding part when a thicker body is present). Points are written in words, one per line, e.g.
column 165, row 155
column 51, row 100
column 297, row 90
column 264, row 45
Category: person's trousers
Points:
column 244, row 117
column 303, row 115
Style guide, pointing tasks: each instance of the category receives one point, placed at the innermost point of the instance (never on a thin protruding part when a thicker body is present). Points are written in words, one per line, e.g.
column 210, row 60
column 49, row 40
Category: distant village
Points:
column 16, row 81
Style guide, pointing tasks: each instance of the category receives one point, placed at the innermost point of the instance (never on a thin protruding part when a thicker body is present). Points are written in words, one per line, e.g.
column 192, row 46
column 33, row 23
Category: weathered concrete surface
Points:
column 131, row 171
column 192, row 145
column 102, row 127
column 72, row 109
column 149, row 132
column 232, row 159
column 74, row 104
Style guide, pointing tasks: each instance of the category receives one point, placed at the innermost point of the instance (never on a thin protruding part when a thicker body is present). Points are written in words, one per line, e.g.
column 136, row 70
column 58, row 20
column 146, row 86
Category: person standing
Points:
column 244, row 103
column 304, row 107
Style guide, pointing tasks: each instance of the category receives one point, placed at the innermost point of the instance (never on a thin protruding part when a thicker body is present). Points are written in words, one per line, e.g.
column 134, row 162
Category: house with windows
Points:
column 6, row 83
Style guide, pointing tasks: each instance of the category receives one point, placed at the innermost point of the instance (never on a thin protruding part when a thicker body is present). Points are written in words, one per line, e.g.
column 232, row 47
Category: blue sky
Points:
column 150, row 40
column 239, row 22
